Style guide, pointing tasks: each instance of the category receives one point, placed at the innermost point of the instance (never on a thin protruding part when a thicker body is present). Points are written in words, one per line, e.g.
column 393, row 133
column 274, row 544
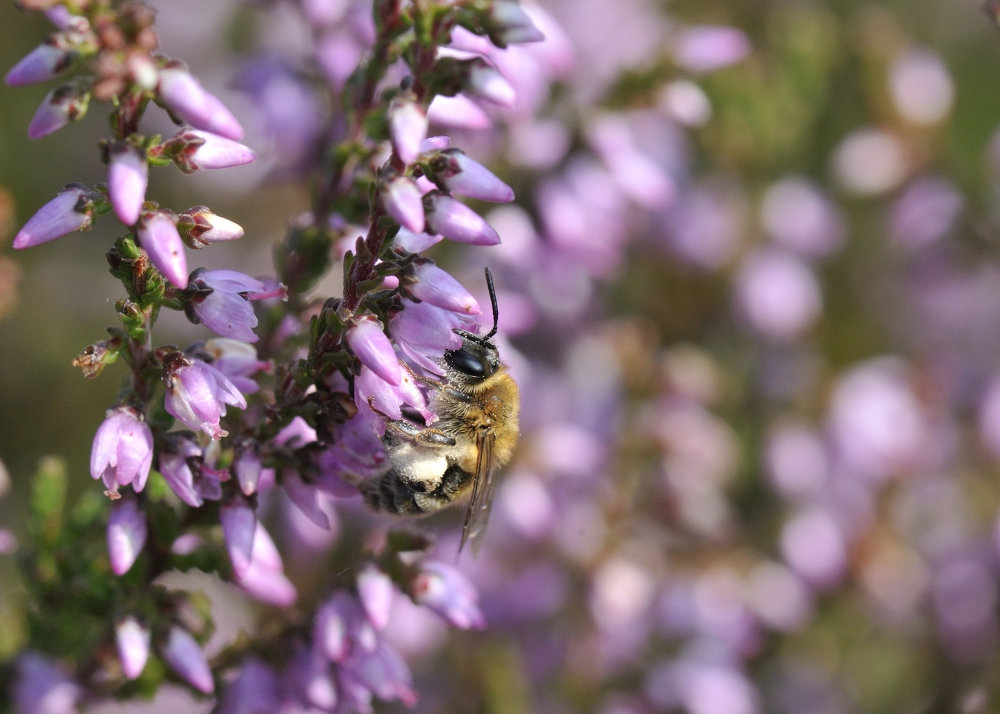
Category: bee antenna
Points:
column 493, row 301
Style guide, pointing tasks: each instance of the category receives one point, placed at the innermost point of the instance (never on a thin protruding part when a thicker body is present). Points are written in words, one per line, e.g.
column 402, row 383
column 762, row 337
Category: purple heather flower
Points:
column 367, row 340
column 778, row 294
column 183, row 95
column 312, row 681
column 355, row 450
column 122, row 452
column 796, row 214
column 485, row 81
column 71, row 210
column 511, row 24
column 45, row 62
column 160, row 239
column 239, row 522
column 126, row 534
column 456, row 221
column 265, row 578
column 128, row 175
column 410, row 242
column 458, row 173
column 237, row 360
column 430, row 284
column 306, row 498
column 382, row 671
column 375, row 590
column 223, row 302
column 194, row 150
column 340, row 628
column 254, row 691
column 457, row 112
column 707, row 48
column 814, row 546
column 921, row 87
column 402, row 201
column 449, row 593
column 247, row 466
column 41, row 687
column 198, row 395
column 62, row 18
column 200, row 227
column 185, row 657
column 375, row 397
column 424, row 332
column 407, row 128
column 185, row 471
column 132, row 639
column 64, row 104
column 925, row 212
column 296, row 434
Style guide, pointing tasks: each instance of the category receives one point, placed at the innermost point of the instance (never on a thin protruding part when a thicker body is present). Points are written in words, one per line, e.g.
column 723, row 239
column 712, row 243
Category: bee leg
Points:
column 422, row 435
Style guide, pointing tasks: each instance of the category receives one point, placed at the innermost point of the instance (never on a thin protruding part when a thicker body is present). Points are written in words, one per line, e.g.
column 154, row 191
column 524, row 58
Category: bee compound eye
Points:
column 465, row 362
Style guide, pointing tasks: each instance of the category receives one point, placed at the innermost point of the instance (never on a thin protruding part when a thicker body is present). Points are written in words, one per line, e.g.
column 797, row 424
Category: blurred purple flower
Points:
column 182, row 653
column 707, row 48
column 407, row 127
column 307, row 498
column 64, row 104
column 457, row 112
column 368, row 342
column 239, row 523
column 429, row 283
column 128, row 176
column 382, row 671
column 126, row 534
column 159, row 237
column 222, row 301
column 122, row 452
column 247, row 467
column 403, row 201
column 45, row 62
column 778, row 294
column 132, row 640
column 71, row 210
column 41, row 687
column 375, row 591
column 254, row 691
column 815, row 547
column 183, row 95
column 920, row 85
column 197, row 396
column 265, row 578
column 180, row 466
column 449, row 593
column 796, row 214
column 927, row 209
column 194, row 150
column 510, row 24
column 486, row 82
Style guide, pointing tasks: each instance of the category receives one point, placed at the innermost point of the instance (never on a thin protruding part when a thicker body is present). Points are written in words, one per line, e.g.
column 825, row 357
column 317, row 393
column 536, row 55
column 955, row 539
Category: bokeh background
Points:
column 751, row 291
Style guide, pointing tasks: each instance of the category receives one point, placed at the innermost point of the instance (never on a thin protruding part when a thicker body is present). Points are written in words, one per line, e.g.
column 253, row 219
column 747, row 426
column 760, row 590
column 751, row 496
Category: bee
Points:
column 459, row 455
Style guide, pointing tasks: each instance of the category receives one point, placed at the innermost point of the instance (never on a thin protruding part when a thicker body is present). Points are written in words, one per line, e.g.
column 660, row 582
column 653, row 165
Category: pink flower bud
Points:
column 467, row 177
column 132, row 639
column 126, row 535
column 265, row 579
column 185, row 657
column 43, row 63
column 456, row 221
column 375, row 589
column 458, row 112
column 184, row 96
column 239, row 523
column 707, row 48
column 194, row 150
column 446, row 591
column 128, row 175
column 403, row 201
column 64, row 104
column 159, row 237
column 485, row 81
column 433, row 285
column 71, row 210
column 367, row 340
column 407, row 128
column 200, row 227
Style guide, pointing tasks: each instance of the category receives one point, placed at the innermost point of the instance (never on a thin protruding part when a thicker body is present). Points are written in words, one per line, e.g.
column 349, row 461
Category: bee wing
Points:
column 483, row 488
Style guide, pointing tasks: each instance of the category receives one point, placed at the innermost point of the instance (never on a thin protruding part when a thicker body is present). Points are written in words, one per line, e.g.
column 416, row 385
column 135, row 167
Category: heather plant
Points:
column 746, row 270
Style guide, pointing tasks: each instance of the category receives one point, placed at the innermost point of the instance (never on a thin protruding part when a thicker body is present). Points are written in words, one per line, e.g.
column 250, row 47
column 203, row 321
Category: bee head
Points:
column 477, row 358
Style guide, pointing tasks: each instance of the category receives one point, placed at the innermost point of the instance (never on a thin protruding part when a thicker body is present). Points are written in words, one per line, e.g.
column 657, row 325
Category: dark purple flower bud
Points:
column 368, row 341
column 128, row 176
column 42, row 687
column 122, row 452
column 64, row 104
column 183, row 95
column 71, row 210
column 194, row 150
column 407, row 127
column 197, row 396
column 43, row 63
column 430, row 284
column 457, row 112
column 159, row 237
column 238, row 361
column 265, row 579
column 254, row 691
column 126, row 534
column 467, row 177
column 484, row 80
column 707, row 48
column 132, row 639
column 446, row 591
column 375, row 590
column 200, row 227
column 511, row 24
column 239, row 522
column 185, row 657
column 456, row 221
column 402, row 201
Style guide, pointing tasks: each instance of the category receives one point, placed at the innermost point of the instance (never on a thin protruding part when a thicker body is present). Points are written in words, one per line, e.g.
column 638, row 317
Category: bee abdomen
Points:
column 393, row 494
